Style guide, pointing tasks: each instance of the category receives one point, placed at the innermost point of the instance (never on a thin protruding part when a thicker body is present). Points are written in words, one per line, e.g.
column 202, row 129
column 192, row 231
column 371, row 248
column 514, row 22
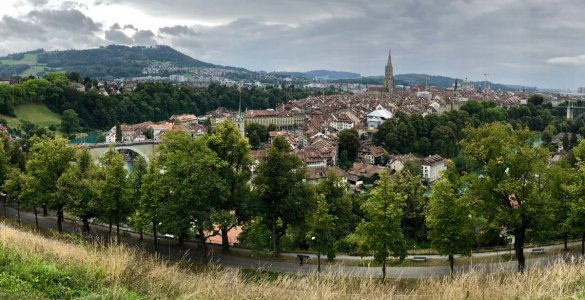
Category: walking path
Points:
column 192, row 251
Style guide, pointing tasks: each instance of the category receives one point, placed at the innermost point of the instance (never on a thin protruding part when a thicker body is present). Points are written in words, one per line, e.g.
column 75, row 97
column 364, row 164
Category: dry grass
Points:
column 126, row 269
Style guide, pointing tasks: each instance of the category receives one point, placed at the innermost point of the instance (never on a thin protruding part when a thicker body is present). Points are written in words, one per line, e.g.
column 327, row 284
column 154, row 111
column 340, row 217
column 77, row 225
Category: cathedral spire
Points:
column 389, row 74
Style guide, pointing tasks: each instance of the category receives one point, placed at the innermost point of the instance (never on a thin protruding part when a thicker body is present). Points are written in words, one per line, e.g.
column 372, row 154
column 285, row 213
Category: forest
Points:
column 151, row 101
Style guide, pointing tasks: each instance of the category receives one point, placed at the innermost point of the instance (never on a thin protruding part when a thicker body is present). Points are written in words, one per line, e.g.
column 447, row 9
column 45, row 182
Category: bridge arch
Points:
column 135, row 150
column 145, row 149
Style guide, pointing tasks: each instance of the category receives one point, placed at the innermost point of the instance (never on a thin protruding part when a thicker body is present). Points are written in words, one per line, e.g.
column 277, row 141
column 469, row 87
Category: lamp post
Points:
column 314, row 239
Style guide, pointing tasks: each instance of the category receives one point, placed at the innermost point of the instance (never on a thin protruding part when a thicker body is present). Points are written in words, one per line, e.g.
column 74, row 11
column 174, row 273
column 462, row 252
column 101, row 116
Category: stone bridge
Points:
column 146, row 149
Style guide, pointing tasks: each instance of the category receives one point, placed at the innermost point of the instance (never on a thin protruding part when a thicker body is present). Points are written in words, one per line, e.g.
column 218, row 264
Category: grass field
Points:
column 38, row 114
column 64, row 267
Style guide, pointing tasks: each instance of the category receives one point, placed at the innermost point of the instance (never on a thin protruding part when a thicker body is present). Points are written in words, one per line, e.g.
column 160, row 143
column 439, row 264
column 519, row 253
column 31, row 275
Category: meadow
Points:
column 66, row 266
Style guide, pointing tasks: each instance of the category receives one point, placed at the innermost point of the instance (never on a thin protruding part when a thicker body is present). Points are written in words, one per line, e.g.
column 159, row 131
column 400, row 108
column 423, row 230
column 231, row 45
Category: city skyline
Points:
column 532, row 43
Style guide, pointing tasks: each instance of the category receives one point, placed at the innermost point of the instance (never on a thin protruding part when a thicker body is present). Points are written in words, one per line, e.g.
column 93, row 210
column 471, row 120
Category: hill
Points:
column 445, row 82
column 332, row 75
column 105, row 62
column 64, row 267
column 38, row 114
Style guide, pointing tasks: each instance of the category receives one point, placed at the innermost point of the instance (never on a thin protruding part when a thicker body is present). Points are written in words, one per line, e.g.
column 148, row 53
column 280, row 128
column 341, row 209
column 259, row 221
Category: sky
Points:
column 528, row 42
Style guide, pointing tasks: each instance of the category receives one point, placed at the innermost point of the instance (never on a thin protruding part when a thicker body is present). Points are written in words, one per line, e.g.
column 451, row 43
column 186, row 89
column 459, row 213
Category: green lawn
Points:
column 29, row 59
column 38, row 114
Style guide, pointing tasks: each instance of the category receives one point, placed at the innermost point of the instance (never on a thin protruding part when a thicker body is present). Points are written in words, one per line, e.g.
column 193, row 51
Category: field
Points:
column 38, row 114
column 31, row 60
column 36, row 267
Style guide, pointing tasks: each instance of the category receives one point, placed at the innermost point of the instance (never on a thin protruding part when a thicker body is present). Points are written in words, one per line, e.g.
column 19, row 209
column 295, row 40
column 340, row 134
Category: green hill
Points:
column 105, row 62
column 38, row 114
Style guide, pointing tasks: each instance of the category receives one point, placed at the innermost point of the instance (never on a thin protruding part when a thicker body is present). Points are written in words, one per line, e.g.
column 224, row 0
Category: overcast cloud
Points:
column 531, row 42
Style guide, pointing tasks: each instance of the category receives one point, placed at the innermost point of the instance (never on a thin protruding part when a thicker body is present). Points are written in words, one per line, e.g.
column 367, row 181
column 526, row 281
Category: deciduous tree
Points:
column 380, row 231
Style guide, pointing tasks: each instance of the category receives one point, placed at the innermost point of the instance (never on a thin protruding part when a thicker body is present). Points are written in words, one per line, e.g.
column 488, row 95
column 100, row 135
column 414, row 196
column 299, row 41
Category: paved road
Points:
column 191, row 251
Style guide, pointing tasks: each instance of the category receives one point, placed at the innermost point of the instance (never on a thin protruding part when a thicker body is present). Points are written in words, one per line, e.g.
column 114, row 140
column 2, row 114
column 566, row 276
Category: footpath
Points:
column 241, row 258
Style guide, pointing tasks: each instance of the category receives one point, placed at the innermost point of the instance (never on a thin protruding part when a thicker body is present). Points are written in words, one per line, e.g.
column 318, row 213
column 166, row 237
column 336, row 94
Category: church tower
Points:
column 240, row 118
column 389, row 74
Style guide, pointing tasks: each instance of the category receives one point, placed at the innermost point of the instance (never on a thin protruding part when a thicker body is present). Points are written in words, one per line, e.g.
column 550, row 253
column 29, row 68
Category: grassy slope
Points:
column 32, row 266
column 38, row 114
column 31, row 60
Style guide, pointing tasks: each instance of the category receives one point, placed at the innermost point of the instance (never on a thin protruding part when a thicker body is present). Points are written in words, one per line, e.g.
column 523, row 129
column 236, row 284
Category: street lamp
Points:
column 314, row 239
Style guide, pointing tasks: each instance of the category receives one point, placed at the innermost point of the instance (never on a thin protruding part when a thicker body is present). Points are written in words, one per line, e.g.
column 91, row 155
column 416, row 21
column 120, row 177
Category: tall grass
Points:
column 130, row 272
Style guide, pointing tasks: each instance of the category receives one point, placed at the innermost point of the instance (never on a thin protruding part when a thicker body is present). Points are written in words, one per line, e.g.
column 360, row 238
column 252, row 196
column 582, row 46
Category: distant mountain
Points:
column 332, row 75
column 113, row 61
column 445, row 82
column 318, row 75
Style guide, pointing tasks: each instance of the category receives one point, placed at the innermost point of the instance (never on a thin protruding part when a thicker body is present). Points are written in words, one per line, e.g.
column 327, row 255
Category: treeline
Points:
column 440, row 134
column 155, row 101
column 196, row 188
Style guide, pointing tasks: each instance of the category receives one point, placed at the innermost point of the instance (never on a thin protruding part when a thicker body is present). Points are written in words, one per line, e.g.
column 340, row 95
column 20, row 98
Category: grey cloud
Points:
column 71, row 20
column 144, row 37
column 536, row 42
column 118, row 37
column 38, row 2
column 49, row 29
column 178, row 30
column 116, row 26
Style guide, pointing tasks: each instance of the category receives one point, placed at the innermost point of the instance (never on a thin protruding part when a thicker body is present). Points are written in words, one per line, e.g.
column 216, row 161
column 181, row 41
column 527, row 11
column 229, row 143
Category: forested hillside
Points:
column 148, row 102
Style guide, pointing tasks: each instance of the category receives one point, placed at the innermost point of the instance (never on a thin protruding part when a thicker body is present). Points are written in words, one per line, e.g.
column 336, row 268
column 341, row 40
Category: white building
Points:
column 432, row 166
column 378, row 117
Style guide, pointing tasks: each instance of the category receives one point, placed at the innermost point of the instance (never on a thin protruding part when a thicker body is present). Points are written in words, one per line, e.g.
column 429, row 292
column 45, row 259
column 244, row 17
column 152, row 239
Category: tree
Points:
column 192, row 176
column 233, row 149
column 21, row 189
column 349, row 140
column 321, row 235
column 449, row 218
column 70, row 122
column 340, row 208
column 574, row 214
column 118, row 133
column 154, row 193
column 149, row 133
column 49, row 159
column 414, row 206
column 78, row 188
column 4, row 160
column 113, row 187
column 511, row 192
column 284, row 198
column 135, row 178
column 380, row 231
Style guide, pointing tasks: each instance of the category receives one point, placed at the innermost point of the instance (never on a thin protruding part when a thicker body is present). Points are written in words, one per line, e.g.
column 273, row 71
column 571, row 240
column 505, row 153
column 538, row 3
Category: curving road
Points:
column 191, row 251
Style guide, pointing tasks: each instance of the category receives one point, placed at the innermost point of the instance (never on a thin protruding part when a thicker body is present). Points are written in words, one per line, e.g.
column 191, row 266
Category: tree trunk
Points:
column 18, row 212
column 45, row 213
column 110, row 221
column 519, row 248
column 36, row 217
column 451, row 264
column 225, row 243
column 85, row 225
column 141, row 235
column 565, row 238
column 203, row 244
column 583, row 243
column 118, row 232
column 384, row 270
column 155, row 237
column 60, row 220
column 274, row 239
